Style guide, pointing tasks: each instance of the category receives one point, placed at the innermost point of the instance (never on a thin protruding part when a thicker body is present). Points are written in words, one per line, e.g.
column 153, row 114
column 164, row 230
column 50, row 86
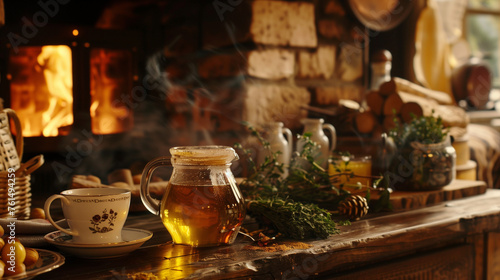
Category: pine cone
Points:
column 354, row 207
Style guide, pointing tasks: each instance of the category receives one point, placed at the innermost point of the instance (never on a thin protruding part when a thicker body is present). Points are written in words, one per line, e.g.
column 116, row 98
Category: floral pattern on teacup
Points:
column 103, row 223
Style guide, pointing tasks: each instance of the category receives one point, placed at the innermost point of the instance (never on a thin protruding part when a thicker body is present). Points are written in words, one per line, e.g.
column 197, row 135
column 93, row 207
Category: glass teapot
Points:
column 202, row 205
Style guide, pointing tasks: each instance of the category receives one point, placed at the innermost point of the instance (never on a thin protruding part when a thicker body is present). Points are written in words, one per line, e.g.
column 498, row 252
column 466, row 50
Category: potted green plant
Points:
column 425, row 158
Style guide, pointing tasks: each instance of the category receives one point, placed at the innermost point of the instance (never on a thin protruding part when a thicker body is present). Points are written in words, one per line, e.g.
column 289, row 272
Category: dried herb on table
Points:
column 294, row 219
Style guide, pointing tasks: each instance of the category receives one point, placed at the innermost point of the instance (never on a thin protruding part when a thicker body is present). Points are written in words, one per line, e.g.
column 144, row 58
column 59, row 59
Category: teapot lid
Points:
column 203, row 155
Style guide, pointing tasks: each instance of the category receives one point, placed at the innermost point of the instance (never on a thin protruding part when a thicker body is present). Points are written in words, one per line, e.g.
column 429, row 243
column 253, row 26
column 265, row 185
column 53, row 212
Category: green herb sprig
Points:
column 425, row 129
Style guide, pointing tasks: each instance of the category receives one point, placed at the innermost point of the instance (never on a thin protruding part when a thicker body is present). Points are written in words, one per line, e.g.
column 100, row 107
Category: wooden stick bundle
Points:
column 399, row 99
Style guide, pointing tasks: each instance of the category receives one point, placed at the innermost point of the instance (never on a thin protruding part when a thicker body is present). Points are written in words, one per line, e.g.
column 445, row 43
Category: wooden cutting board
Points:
column 407, row 200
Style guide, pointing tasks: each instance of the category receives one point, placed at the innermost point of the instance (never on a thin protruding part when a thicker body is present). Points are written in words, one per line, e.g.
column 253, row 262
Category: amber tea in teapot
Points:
column 210, row 214
column 202, row 205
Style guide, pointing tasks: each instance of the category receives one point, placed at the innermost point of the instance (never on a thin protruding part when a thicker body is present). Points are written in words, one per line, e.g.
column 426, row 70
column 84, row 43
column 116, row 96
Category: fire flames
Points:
column 42, row 89
column 110, row 86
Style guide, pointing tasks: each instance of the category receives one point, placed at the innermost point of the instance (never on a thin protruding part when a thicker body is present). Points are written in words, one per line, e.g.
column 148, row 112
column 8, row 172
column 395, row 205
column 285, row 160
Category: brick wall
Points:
column 258, row 61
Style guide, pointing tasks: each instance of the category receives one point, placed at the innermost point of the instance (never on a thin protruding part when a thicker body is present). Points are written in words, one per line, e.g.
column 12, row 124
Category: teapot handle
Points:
column 333, row 142
column 152, row 204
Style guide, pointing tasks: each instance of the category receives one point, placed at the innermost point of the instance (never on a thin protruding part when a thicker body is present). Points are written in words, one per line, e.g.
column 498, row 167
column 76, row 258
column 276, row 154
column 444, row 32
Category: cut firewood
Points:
column 404, row 99
column 375, row 101
column 410, row 110
column 365, row 122
column 451, row 115
column 387, row 88
column 409, row 87
column 389, row 122
column 427, row 105
column 392, row 104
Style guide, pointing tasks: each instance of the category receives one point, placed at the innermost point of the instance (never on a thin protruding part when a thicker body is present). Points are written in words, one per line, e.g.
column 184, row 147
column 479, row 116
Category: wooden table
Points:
column 458, row 239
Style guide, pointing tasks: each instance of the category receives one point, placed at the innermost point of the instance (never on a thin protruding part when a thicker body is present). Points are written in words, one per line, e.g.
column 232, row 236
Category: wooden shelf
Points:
column 406, row 200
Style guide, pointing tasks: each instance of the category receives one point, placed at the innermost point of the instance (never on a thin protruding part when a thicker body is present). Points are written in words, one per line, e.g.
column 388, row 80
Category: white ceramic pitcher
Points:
column 316, row 127
column 280, row 139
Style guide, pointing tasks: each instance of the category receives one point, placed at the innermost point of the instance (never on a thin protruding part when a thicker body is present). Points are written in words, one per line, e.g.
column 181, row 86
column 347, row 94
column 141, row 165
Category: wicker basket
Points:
column 15, row 187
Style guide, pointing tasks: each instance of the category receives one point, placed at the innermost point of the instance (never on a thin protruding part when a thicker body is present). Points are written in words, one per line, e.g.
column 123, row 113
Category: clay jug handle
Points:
column 289, row 138
column 152, row 204
column 333, row 140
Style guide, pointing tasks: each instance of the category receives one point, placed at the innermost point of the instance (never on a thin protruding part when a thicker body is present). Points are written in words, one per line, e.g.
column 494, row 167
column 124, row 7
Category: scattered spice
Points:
column 279, row 247
column 142, row 276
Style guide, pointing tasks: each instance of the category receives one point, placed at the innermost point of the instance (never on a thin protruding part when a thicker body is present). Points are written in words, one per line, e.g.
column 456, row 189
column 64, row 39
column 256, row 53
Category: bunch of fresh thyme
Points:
column 291, row 202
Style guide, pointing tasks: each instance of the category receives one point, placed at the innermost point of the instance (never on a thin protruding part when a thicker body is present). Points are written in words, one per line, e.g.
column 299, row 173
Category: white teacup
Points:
column 94, row 215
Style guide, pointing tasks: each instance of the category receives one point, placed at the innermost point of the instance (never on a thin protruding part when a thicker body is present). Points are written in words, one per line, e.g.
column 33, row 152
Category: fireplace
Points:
column 218, row 63
column 66, row 79
column 72, row 88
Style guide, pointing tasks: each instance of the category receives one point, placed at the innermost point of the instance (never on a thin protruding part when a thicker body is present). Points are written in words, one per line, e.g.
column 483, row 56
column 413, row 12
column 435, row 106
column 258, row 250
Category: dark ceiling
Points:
column 81, row 12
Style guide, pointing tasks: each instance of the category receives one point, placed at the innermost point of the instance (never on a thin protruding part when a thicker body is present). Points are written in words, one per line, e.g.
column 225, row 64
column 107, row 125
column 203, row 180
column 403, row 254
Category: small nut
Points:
column 37, row 213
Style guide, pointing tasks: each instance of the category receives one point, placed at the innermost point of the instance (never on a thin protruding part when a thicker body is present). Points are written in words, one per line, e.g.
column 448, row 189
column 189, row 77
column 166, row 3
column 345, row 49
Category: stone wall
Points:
column 230, row 61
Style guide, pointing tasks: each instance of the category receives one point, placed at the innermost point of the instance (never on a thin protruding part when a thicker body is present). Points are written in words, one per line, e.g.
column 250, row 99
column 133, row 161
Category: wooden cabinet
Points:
column 451, row 263
column 492, row 262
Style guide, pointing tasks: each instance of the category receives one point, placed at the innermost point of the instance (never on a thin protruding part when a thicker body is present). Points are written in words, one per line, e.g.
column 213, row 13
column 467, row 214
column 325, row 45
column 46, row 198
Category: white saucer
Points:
column 132, row 239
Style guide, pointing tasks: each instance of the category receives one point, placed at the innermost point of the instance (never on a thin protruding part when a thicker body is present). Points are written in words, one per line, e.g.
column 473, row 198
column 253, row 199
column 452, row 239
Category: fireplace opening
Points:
column 73, row 90
column 41, row 89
